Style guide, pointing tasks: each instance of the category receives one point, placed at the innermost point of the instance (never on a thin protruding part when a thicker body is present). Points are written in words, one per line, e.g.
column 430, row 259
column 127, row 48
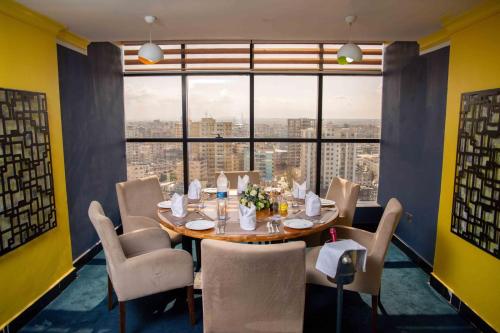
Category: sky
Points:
column 227, row 97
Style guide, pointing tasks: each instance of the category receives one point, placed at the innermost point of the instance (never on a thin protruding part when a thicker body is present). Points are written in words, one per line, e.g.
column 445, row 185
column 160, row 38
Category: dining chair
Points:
column 376, row 243
column 345, row 194
column 137, row 200
column 232, row 177
column 141, row 263
column 253, row 288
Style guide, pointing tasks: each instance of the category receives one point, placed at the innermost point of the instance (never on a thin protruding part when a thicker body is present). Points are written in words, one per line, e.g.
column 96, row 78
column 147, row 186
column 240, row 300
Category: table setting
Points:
column 251, row 212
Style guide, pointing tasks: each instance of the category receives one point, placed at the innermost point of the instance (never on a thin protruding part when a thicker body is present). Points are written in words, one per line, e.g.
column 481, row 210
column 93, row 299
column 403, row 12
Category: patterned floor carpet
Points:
column 409, row 305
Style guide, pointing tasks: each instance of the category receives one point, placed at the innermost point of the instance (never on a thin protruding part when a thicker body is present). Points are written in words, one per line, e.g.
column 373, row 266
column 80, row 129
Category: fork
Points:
column 275, row 224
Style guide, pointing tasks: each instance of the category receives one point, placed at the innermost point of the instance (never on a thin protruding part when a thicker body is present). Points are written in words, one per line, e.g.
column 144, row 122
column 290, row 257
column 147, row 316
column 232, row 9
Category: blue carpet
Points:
column 409, row 305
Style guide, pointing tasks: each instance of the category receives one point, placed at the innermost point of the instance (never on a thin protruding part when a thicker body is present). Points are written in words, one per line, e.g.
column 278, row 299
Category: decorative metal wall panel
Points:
column 27, row 206
column 476, row 199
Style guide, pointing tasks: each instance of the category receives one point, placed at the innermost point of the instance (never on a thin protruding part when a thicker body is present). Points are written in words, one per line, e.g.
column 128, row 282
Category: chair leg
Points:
column 375, row 299
column 122, row 317
column 190, row 302
column 110, row 294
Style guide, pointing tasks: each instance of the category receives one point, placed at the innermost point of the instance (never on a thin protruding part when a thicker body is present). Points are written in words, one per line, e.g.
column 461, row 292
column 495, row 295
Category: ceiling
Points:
column 378, row 20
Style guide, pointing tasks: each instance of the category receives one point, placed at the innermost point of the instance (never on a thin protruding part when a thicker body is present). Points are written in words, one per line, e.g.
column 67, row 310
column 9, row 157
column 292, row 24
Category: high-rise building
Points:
column 295, row 130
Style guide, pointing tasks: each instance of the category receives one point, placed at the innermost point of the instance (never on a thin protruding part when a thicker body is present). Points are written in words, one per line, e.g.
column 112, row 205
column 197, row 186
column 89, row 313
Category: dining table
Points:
column 270, row 227
column 230, row 230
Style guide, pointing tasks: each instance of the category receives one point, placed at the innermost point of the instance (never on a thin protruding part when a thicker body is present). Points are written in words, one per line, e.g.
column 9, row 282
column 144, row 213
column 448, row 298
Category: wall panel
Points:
column 413, row 112
column 94, row 138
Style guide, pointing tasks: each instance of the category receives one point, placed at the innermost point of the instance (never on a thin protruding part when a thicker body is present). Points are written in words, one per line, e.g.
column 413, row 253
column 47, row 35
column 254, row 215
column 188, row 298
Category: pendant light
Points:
column 150, row 53
column 349, row 52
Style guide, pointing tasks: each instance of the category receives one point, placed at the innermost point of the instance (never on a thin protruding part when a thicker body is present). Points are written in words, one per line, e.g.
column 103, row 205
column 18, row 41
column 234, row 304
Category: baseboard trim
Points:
column 31, row 311
column 463, row 310
column 421, row 262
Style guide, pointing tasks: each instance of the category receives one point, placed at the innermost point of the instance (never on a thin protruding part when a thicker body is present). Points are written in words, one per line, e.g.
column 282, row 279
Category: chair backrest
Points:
column 345, row 194
column 232, row 176
column 139, row 197
column 253, row 288
column 386, row 227
column 107, row 234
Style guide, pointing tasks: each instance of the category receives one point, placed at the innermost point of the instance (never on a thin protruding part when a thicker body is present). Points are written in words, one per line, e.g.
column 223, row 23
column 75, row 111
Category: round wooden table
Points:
column 209, row 212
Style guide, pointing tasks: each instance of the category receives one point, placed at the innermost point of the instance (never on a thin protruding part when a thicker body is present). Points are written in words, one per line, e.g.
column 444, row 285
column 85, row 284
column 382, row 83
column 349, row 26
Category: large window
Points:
column 218, row 106
column 302, row 127
column 153, row 107
column 285, row 106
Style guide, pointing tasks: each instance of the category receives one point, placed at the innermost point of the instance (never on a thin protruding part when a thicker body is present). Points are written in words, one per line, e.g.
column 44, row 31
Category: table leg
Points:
column 187, row 244
column 197, row 243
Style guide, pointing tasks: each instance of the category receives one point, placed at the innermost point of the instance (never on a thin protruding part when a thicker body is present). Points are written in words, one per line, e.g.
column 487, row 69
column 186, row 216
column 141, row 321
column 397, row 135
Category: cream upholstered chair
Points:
column 253, row 288
column 377, row 244
column 232, row 176
column 345, row 194
column 141, row 263
column 137, row 200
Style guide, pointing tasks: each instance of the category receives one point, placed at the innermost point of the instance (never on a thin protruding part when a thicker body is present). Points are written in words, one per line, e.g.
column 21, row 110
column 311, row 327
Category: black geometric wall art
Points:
column 476, row 197
column 27, row 205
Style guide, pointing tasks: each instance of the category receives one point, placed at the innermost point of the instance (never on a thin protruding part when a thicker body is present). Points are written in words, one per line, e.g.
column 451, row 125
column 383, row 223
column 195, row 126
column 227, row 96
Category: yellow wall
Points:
column 472, row 274
column 28, row 61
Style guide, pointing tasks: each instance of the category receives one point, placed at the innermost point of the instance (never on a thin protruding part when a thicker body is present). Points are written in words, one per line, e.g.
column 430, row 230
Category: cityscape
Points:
column 281, row 162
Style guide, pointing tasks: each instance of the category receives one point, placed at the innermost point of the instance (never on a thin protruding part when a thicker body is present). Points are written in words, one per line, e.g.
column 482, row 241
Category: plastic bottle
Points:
column 222, row 189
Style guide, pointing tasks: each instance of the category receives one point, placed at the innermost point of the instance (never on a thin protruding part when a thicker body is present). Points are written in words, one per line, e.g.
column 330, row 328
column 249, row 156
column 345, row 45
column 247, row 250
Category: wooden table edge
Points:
column 287, row 235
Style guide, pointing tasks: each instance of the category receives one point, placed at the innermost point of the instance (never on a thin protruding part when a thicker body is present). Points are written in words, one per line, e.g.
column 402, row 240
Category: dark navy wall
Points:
column 411, row 150
column 91, row 90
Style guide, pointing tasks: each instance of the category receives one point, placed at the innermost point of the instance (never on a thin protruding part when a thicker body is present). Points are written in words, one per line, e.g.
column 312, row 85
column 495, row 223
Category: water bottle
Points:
column 222, row 188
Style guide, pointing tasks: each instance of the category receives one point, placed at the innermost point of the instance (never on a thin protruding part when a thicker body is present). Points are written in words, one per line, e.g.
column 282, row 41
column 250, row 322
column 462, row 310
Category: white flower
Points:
column 253, row 193
column 261, row 196
column 243, row 201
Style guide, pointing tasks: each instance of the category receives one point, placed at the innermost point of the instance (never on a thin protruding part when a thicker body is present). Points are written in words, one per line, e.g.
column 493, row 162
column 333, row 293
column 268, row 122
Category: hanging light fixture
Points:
column 349, row 52
column 150, row 53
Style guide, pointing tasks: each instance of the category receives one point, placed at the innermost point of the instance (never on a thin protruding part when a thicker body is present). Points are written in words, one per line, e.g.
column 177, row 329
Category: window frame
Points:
column 185, row 139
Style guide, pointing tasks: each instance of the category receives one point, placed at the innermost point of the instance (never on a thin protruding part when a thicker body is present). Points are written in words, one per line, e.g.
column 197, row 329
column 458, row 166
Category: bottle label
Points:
column 221, row 195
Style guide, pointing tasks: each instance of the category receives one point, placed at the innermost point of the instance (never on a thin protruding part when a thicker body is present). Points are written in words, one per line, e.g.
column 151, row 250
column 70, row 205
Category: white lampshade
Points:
column 150, row 53
column 349, row 53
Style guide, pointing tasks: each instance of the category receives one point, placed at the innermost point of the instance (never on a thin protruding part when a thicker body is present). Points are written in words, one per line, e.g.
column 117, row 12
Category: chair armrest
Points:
column 153, row 272
column 144, row 240
column 132, row 222
column 363, row 237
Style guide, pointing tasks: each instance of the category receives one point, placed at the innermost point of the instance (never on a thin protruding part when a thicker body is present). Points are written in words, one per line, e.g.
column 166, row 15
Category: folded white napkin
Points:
column 179, row 205
column 299, row 190
column 248, row 218
column 330, row 254
column 242, row 183
column 194, row 190
column 313, row 204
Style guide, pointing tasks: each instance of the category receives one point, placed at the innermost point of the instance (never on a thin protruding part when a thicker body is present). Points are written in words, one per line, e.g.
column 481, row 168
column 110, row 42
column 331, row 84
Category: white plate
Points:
column 211, row 190
column 200, row 225
column 165, row 204
column 298, row 224
column 326, row 202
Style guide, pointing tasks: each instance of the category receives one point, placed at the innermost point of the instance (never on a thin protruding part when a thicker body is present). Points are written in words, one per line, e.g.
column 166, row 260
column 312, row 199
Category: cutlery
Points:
column 276, row 224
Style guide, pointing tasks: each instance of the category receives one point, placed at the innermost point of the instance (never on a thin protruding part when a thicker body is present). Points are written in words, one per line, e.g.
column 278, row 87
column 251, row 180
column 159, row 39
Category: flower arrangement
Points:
column 254, row 195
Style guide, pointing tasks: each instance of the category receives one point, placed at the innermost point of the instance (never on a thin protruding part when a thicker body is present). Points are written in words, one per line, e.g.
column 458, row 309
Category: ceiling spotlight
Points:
column 150, row 53
column 349, row 52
